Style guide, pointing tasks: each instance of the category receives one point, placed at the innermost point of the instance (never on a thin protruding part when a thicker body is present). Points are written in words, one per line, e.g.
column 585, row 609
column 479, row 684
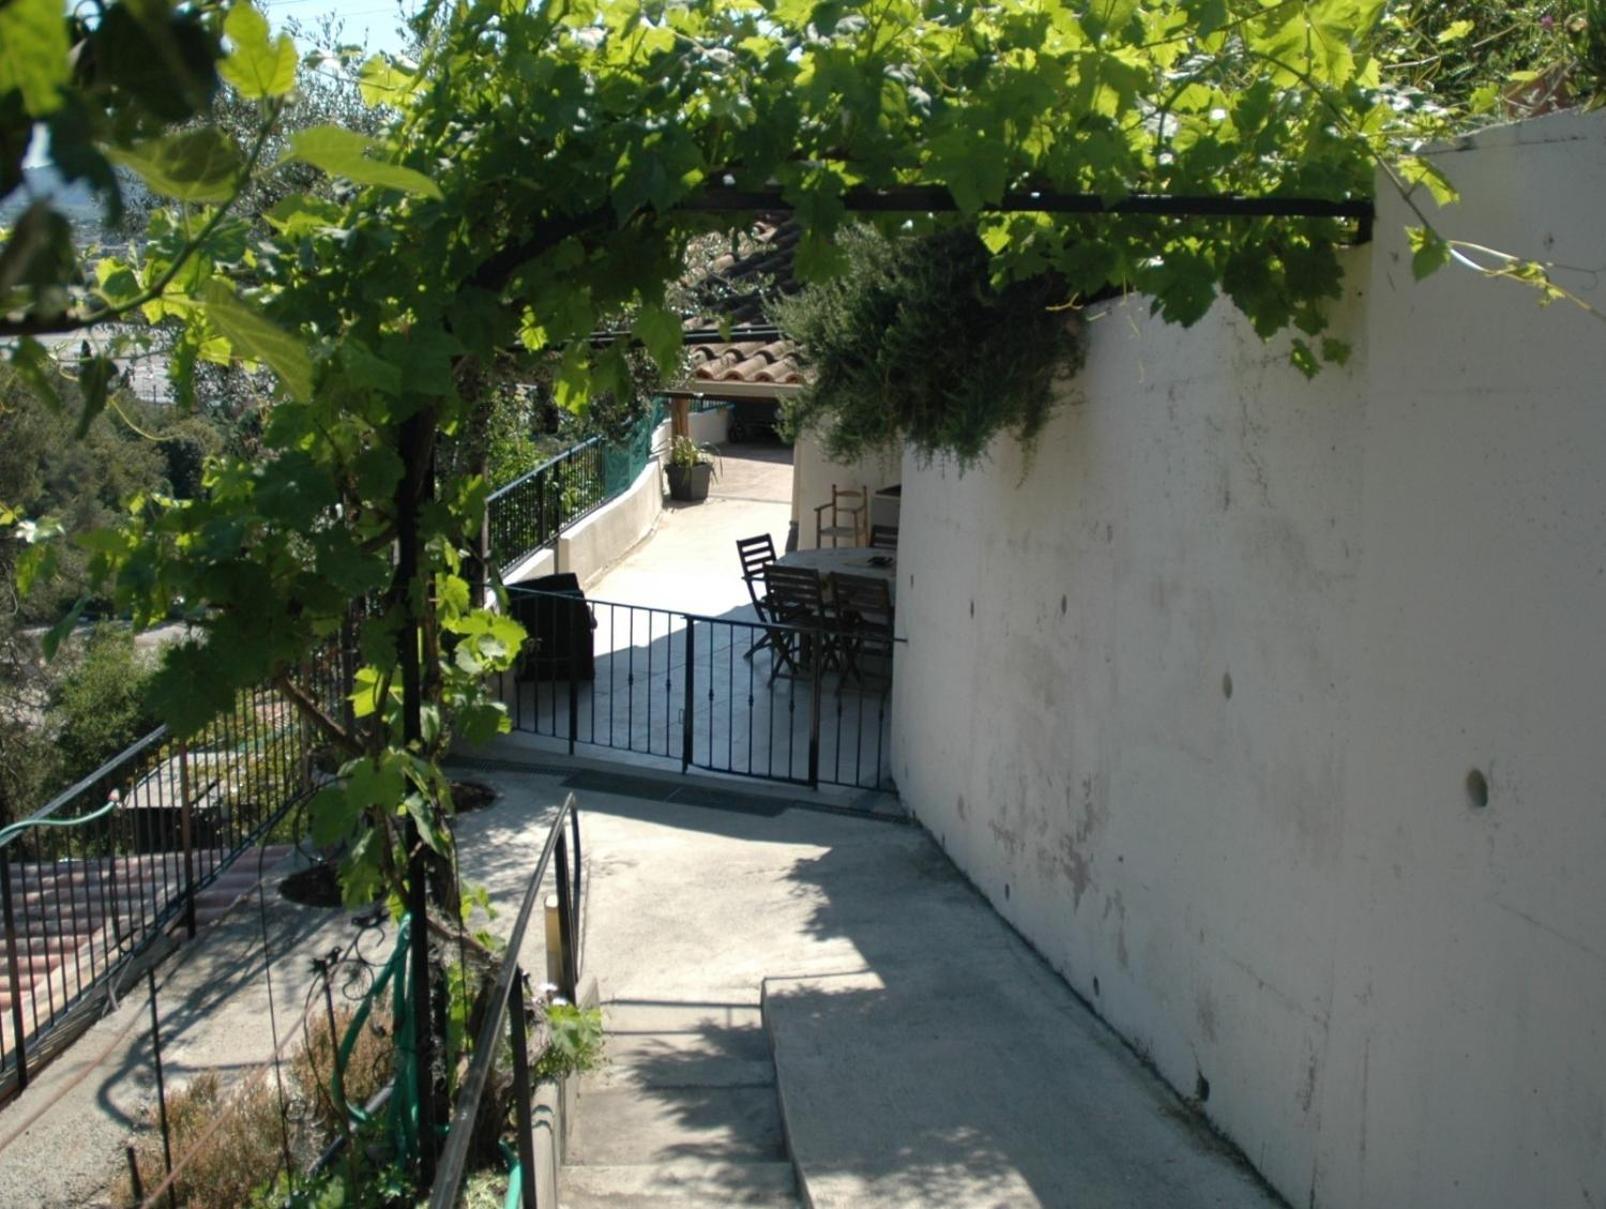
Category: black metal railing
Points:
column 532, row 511
column 92, row 878
column 713, row 693
column 506, row 1011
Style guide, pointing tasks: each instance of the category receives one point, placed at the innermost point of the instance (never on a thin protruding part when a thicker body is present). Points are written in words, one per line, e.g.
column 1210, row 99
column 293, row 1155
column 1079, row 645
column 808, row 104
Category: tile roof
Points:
column 739, row 284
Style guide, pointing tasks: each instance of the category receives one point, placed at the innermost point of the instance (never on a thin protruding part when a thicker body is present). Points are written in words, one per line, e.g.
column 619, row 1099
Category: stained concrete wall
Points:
column 1201, row 698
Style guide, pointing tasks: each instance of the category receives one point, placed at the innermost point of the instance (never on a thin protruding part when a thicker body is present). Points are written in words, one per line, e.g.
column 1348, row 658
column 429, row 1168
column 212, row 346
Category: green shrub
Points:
column 574, row 1042
column 100, row 706
column 914, row 343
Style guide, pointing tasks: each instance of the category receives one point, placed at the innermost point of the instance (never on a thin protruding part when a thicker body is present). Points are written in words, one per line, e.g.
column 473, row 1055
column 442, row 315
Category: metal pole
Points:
column 11, row 971
column 161, row 1091
column 187, row 837
column 579, row 631
column 814, row 709
column 417, row 478
column 571, row 972
column 691, row 701
column 521, row 1093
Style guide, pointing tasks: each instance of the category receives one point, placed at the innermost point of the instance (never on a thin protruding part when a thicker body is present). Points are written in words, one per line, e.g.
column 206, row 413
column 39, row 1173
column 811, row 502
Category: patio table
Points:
column 853, row 560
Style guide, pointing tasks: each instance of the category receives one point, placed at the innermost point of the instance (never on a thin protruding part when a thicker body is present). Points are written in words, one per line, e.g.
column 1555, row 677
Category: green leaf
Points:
column 427, row 819
column 1454, row 31
column 375, row 783
column 659, row 330
column 361, row 873
column 36, row 564
column 259, row 339
column 371, row 371
column 34, row 61
column 345, row 153
column 198, row 166
column 1303, row 358
column 39, row 253
column 1417, row 171
column 38, row 369
column 1429, row 252
column 1336, row 352
column 95, row 376
column 333, row 815
column 258, row 67
column 302, row 214
column 58, row 632
column 382, row 82
column 365, row 699
column 481, row 722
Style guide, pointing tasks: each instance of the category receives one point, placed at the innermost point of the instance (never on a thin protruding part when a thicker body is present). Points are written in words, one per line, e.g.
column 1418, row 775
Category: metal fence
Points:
column 709, row 692
column 531, row 511
column 92, row 878
column 505, row 1014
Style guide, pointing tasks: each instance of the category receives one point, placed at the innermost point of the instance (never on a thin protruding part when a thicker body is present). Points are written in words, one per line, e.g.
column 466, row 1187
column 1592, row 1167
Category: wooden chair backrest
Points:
column 862, row 600
column 794, row 593
column 756, row 553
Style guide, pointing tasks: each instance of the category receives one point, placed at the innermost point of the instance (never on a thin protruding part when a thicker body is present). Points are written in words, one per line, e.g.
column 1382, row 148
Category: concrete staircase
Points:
column 684, row 1114
column 74, row 918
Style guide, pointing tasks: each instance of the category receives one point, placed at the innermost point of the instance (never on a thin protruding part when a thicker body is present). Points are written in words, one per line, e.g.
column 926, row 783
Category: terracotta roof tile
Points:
column 742, row 285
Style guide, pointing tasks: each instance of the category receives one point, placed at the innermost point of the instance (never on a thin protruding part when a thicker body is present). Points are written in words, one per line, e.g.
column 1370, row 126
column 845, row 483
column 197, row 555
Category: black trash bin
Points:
column 559, row 626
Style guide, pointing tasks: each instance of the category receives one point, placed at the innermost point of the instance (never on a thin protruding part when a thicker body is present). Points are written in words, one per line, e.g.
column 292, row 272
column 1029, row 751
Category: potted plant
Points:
column 690, row 468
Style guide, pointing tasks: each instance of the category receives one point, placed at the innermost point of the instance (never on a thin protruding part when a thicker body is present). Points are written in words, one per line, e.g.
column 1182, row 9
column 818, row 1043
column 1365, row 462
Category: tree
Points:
column 76, row 484
column 547, row 166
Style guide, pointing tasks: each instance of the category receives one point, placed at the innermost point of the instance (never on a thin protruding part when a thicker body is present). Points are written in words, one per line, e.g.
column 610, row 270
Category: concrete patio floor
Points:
column 689, row 562
column 744, row 718
column 923, row 1054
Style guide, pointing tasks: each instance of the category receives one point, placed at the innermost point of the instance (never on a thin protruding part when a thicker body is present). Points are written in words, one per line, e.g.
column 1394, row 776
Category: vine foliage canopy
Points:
column 537, row 172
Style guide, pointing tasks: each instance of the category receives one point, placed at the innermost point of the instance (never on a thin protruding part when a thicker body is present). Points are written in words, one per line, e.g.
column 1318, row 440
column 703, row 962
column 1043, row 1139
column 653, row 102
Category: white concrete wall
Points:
column 710, row 427
column 1195, row 701
column 813, row 473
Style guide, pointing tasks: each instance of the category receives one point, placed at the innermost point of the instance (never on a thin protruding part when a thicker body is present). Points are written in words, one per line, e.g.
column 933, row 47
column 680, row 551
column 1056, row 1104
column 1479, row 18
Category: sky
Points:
column 371, row 23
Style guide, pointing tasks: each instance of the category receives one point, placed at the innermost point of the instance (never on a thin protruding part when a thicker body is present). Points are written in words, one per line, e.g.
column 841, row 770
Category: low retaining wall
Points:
column 601, row 539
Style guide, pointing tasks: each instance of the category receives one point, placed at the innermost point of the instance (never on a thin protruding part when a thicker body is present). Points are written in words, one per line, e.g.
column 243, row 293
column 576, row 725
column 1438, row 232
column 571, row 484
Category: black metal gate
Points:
column 726, row 694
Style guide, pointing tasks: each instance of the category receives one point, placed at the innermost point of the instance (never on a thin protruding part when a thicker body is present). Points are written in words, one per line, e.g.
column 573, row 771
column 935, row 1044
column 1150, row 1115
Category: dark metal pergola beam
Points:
column 912, row 199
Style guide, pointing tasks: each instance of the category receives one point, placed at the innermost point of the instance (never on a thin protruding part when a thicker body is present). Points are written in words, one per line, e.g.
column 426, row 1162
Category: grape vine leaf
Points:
column 34, row 34
column 196, row 166
column 258, row 67
column 259, row 339
column 345, row 153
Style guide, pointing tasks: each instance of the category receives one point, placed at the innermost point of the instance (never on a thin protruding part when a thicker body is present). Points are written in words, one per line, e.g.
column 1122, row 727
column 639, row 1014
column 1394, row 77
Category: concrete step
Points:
column 684, row 1113
column 673, row 1186
column 619, row 1125
column 52, row 942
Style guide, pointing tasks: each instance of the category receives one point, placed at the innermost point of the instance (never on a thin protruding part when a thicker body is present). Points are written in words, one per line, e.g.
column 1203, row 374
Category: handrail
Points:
column 451, row 1169
column 43, row 814
column 19, row 827
column 83, row 894
column 546, row 465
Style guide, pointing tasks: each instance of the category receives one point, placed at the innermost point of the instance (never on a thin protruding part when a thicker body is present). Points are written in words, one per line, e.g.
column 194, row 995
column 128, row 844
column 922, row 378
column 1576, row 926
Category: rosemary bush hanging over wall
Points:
column 913, row 343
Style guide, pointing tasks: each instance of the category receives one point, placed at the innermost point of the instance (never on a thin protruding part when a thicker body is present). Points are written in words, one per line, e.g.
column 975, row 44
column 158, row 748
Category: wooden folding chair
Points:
column 795, row 597
column 756, row 553
column 862, row 605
